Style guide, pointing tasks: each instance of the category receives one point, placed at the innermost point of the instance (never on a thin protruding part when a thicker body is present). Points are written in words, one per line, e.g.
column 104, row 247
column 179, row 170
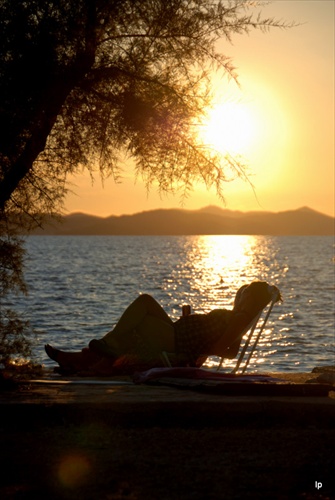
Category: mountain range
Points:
column 207, row 220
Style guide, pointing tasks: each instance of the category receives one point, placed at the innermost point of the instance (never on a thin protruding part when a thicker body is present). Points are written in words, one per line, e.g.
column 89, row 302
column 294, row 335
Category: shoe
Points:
column 51, row 352
column 100, row 347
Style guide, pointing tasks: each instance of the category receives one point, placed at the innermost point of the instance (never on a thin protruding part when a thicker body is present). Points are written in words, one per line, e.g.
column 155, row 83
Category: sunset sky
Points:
column 286, row 106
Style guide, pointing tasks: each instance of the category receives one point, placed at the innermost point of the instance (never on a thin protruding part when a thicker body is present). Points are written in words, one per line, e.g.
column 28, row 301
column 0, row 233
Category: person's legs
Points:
column 147, row 318
column 144, row 323
column 156, row 335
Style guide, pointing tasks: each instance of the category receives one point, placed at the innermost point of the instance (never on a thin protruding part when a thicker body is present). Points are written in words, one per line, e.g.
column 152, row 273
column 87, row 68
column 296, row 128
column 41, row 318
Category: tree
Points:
column 84, row 83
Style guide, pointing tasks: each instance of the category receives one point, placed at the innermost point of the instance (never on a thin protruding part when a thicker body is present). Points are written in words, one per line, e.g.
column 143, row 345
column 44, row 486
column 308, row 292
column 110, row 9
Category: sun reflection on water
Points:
column 226, row 258
column 219, row 265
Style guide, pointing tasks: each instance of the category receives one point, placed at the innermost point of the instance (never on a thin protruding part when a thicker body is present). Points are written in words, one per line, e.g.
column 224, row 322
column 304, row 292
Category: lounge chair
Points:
column 254, row 329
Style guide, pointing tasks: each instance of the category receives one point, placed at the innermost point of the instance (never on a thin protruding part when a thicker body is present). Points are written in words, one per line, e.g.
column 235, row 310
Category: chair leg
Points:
column 245, row 347
column 165, row 359
column 258, row 337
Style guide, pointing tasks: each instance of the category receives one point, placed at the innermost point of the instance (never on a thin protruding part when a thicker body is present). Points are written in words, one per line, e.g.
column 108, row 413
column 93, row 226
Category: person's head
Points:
column 254, row 297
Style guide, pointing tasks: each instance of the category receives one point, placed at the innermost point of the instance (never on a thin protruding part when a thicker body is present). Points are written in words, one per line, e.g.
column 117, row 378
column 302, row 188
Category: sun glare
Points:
column 231, row 127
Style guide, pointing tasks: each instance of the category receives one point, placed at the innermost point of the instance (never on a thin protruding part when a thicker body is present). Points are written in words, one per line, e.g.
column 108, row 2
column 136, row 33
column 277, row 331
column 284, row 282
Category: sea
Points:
column 80, row 285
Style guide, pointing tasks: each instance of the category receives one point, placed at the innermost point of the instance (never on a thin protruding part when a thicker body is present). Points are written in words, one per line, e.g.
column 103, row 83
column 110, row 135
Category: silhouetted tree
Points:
column 84, row 83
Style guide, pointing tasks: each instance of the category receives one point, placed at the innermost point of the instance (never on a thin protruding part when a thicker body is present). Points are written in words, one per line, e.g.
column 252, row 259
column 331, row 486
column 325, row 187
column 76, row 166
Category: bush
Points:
column 15, row 333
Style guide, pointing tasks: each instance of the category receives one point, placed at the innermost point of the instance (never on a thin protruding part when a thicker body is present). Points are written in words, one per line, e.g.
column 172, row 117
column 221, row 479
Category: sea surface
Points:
column 80, row 285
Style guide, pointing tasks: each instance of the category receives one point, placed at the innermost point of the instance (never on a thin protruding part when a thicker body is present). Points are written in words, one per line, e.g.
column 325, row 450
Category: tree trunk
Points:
column 50, row 107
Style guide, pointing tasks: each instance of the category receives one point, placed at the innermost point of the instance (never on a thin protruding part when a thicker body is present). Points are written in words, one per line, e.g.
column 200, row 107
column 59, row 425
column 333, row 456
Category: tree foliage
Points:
column 85, row 82
column 14, row 332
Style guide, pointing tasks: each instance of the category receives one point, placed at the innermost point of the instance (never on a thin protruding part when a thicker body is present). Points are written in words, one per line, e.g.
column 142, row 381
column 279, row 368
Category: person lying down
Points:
column 145, row 331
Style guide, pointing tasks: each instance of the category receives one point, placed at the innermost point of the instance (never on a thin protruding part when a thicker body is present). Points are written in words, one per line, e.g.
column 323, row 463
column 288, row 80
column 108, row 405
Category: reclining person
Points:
column 145, row 330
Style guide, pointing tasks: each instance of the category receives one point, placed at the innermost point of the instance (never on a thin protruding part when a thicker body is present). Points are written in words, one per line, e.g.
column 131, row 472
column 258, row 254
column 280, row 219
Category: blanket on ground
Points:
column 218, row 383
column 199, row 374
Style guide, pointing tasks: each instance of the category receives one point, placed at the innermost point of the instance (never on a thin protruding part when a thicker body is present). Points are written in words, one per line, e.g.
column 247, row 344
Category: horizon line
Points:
column 301, row 208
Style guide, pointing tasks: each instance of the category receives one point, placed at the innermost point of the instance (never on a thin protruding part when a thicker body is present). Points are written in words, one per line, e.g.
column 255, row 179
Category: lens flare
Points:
column 73, row 471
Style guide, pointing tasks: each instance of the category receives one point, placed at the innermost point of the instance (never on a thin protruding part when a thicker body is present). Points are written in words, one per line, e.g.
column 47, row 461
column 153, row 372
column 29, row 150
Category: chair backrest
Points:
column 251, row 328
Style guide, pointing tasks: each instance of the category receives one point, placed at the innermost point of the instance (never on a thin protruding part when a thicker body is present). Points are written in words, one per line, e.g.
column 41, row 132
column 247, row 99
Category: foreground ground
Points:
column 156, row 442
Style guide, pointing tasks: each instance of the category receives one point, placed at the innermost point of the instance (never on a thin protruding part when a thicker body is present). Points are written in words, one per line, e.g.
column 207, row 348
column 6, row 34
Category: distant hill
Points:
column 208, row 220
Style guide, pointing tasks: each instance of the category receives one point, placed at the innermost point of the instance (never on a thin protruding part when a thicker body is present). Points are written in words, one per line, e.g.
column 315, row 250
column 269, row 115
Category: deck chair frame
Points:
column 251, row 328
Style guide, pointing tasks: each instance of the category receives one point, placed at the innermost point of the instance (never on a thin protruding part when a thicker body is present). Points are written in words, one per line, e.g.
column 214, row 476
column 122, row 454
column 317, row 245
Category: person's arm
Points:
column 231, row 352
column 229, row 343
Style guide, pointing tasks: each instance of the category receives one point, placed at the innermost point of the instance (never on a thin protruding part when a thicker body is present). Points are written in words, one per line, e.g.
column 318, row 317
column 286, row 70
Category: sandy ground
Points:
column 123, row 441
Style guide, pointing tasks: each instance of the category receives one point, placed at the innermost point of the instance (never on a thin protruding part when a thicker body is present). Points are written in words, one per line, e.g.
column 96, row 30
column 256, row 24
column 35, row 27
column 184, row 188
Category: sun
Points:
column 230, row 128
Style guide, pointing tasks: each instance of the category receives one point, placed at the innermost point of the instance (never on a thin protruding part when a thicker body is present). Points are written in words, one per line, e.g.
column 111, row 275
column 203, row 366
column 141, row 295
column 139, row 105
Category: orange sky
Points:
column 287, row 88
